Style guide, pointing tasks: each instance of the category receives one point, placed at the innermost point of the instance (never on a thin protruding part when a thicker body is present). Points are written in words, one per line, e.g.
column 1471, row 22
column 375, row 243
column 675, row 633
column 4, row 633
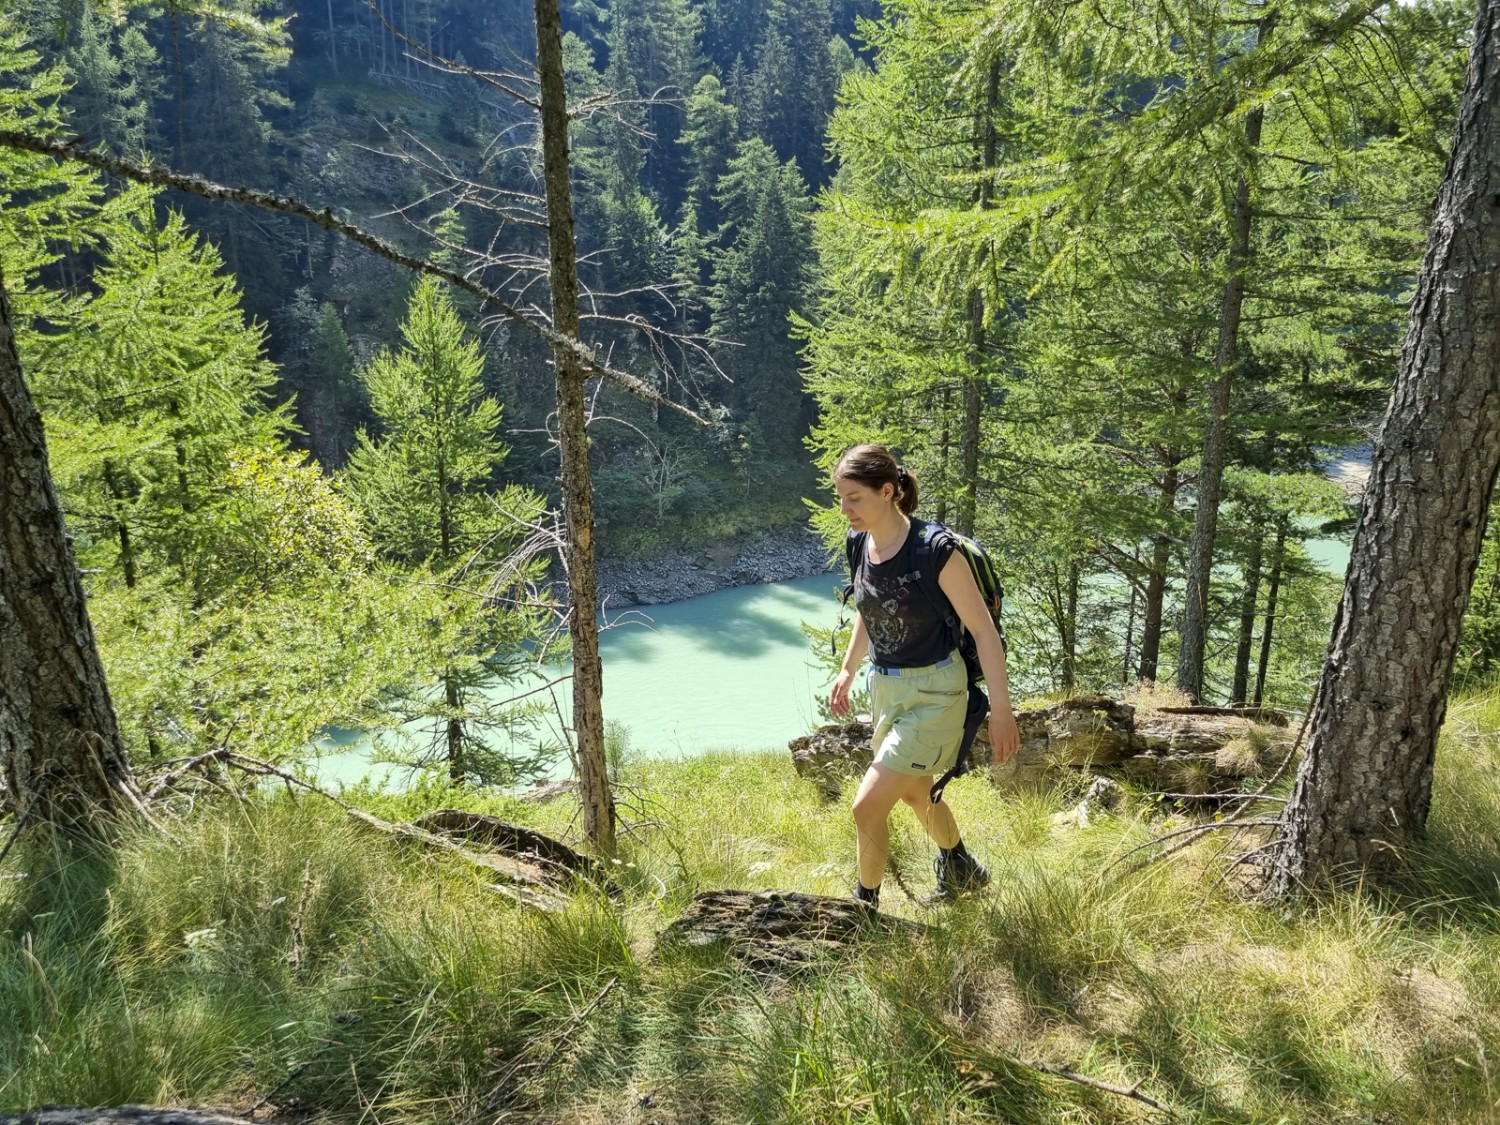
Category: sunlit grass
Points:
column 277, row 946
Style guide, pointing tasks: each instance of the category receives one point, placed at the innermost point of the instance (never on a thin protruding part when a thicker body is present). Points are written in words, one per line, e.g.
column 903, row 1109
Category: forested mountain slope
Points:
column 695, row 157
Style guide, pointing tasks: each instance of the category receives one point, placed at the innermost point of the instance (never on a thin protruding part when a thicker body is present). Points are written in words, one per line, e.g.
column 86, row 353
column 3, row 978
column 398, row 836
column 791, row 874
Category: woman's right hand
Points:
column 838, row 695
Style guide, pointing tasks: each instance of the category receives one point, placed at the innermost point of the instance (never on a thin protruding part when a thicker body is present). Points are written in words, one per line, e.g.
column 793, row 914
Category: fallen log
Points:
column 522, row 843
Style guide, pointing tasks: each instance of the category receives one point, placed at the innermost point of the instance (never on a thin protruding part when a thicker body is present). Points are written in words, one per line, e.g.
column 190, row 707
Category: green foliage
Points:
column 424, row 485
column 151, row 388
column 421, row 481
column 45, row 209
column 1027, row 246
column 759, row 277
column 286, row 523
column 1479, row 648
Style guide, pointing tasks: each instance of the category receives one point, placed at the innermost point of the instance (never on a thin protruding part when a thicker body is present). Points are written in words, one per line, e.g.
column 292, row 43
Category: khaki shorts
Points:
column 919, row 716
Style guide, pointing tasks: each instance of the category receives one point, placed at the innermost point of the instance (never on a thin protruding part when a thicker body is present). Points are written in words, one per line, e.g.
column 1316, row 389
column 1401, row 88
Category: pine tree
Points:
column 759, row 279
column 422, row 480
column 709, row 139
column 425, row 484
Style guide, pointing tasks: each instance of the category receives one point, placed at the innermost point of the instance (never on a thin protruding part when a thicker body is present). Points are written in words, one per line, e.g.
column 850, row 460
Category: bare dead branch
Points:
column 448, row 66
column 157, row 175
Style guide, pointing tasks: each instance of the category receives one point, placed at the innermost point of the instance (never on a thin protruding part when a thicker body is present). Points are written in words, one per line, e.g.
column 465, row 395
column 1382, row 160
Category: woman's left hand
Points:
column 1005, row 738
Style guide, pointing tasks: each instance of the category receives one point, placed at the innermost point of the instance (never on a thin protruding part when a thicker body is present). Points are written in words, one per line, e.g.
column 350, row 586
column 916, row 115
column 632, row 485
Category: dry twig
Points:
column 1067, row 1072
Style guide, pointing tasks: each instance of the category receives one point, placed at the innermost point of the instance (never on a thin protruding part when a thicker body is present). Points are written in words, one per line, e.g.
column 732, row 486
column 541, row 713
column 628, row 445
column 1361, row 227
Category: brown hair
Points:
column 874, row 466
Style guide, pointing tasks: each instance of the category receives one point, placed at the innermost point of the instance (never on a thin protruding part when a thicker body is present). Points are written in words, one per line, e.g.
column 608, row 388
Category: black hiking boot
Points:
column 957, row 873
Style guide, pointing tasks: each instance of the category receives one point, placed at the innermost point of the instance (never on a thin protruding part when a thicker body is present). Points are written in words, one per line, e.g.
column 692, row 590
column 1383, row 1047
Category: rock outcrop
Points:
column 118, row 1115
column 670, row 576
column 1194, row 751
column 778, row 931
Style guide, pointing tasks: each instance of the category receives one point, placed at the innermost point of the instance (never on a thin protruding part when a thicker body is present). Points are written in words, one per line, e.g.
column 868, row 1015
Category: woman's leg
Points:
column 879, row 791
column 938, row 818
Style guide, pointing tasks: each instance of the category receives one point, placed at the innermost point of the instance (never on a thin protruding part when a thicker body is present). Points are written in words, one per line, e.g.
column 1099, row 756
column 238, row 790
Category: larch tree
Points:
column 61, row 755
column 1364, row 787
column 425, row 485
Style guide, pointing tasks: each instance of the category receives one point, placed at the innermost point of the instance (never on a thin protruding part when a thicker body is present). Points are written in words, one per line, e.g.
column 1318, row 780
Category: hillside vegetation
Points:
column 271, row 953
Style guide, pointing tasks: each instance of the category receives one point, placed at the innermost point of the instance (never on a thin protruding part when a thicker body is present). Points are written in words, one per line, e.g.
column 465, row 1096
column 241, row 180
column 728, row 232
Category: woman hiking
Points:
column 918, row 682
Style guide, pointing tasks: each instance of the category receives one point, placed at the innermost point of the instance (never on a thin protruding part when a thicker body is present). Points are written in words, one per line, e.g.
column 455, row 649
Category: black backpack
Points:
column 988, row 580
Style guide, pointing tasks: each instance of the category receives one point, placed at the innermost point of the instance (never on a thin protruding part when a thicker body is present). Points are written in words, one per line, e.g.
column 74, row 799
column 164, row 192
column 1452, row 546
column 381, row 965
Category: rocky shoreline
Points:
column 675, row 575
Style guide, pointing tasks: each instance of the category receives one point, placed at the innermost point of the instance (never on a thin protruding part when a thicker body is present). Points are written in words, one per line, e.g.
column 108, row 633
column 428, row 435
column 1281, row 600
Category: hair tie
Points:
column 901, row 474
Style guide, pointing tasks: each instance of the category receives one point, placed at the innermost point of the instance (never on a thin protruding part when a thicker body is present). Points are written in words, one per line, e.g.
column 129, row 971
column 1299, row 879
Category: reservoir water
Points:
column 728, row 670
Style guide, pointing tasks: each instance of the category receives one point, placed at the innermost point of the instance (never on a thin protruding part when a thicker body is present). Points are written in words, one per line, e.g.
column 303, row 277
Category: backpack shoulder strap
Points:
column 929, row 535
column 854, row 555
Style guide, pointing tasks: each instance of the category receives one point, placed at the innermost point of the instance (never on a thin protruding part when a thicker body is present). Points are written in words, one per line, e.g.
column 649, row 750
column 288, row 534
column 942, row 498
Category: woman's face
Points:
column 860, row 503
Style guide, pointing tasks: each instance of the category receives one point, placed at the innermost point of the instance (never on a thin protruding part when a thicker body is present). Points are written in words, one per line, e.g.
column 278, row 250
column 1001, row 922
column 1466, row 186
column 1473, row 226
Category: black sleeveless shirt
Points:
column 905, row 626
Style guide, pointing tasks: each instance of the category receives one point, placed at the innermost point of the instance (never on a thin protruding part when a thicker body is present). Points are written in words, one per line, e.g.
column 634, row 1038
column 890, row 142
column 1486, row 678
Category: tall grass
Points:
column 276, row 948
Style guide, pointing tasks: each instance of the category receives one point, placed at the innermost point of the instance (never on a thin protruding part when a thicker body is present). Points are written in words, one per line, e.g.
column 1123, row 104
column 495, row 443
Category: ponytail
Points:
column 874, row 466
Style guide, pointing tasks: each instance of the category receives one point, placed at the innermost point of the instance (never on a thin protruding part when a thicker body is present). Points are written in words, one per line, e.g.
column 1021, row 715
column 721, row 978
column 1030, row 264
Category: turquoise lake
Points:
column 728, row 670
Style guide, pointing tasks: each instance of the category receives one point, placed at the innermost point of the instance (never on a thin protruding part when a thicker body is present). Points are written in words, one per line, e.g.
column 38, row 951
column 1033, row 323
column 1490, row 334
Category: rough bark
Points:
column 1240, row 689
column 973, row 406
column 1070, row 628
column 60, row 749
column 118, row 1115
column 1278, row 562
column 1216, row 433
column 573, row 441
column 454, row 729
column 1365, row 785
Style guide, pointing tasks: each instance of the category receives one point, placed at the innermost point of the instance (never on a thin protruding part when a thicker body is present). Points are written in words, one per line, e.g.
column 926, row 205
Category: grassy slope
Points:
column 277, row 945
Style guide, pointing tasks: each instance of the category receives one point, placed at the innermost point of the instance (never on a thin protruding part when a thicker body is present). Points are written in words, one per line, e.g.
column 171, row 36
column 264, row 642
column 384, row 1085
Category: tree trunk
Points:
column 1216, row 434
column 1156, row 582
column 573, row 440
column 454, row 732
column 333, row 43
column 122, row 523
column 1240, row 689
column 1278, row 562
column 1365, row 784
column 1070, row 629
column 60, row 749
column 945, row 447
column 973, row 404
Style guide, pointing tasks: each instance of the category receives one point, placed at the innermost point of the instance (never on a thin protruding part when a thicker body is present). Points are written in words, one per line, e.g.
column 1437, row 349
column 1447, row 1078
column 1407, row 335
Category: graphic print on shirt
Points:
column 881, row 604
column 905, row 627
